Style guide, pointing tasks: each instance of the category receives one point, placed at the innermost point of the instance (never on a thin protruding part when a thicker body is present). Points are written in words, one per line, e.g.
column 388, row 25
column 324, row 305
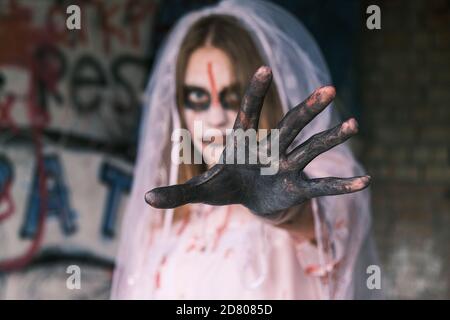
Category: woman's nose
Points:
column 217, row 115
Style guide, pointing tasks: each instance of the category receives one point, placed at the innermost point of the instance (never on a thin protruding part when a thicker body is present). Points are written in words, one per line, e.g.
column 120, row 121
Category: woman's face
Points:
column 211, row 98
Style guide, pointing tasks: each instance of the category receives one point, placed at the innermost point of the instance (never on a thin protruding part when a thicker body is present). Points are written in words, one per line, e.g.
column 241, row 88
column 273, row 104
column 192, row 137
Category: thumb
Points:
column 169, row 197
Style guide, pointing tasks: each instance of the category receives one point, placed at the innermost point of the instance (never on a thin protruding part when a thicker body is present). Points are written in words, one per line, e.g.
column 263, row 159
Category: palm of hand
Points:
column 242, row 181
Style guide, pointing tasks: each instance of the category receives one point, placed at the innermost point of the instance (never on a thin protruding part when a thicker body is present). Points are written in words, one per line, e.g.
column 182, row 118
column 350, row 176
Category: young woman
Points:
column 225, row 231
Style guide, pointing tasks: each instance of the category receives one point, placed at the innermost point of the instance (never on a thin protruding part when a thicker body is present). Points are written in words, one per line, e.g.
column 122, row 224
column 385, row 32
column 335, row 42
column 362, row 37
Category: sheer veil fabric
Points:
column 298, row 68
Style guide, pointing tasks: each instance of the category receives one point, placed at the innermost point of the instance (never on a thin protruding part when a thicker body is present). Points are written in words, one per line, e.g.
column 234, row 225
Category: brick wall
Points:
column 404, row 75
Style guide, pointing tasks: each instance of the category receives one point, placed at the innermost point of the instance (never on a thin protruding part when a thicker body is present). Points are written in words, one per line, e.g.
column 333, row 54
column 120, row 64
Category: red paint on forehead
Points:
column 212, row 82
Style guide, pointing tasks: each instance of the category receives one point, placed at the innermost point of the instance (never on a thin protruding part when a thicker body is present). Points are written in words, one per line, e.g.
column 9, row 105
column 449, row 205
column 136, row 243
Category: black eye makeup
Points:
column 199, row 99
column 196, row 98
column 230, row 97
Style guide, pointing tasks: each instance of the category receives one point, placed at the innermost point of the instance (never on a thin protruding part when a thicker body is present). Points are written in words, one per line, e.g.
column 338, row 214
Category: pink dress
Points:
column 221, row 253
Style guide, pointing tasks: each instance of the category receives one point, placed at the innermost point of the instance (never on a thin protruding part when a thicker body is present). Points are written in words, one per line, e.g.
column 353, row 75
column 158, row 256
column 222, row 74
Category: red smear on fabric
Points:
column 228, row 253
column 158, row 273
column 151, row 234
column 221, row 229
column 183, row 226
column 340, row 224
column 191, row 247
column 311, row 269
column 193, row 244
column 158, row 280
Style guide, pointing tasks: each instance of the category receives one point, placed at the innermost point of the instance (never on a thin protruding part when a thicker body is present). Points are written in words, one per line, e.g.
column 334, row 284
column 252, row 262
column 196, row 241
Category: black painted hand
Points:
column 267, row 195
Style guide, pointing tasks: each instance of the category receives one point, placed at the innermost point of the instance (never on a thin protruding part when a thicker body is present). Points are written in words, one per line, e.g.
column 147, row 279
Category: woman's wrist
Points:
column 298, row 221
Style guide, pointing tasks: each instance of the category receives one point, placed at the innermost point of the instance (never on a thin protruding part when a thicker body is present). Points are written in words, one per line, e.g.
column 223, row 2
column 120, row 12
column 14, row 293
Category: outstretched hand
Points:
column 268, row 195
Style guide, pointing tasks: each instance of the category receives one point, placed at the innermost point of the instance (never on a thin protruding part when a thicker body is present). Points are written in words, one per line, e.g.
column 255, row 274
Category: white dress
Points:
column 211, row 260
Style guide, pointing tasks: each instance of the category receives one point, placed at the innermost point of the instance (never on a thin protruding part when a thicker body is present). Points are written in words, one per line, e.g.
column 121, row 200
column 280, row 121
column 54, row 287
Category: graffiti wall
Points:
column 69, row 109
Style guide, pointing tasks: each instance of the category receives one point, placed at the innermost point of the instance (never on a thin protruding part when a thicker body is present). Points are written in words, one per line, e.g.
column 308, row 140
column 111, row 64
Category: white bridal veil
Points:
column 298, row 68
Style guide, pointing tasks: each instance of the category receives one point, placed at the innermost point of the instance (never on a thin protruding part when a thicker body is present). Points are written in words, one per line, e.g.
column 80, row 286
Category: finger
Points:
column 321, row 142
column 248, row 116
column 298, row 117
column 334, row 186
column 170, row 197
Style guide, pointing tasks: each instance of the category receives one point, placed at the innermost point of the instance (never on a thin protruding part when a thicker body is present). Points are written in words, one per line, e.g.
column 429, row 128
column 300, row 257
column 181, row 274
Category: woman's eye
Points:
column 196, row 99
column 231, row 100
